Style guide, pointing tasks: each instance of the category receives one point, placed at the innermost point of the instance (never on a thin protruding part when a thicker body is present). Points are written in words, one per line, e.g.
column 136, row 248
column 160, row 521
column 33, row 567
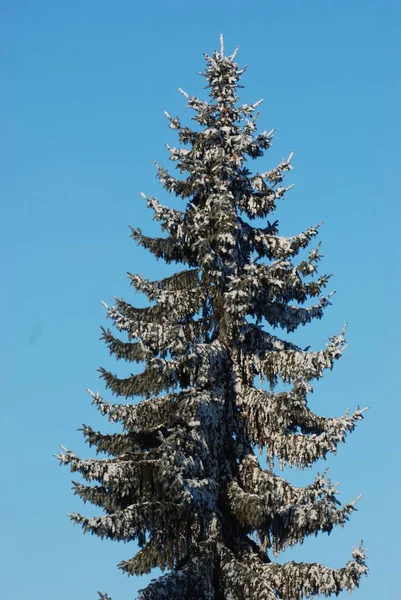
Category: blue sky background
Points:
column 85, row 85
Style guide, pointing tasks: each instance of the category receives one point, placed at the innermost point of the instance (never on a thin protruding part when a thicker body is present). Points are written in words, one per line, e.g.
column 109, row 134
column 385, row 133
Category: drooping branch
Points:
column 294, row 581
column 284, row 524
column 275, row 247
column 272, row 420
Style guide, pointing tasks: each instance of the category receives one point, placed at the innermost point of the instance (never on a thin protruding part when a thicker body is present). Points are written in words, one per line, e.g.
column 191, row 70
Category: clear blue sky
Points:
column 84, row 89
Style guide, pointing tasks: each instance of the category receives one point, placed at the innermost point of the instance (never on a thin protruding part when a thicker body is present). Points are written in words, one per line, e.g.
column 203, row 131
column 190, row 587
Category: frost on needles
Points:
column 182, row 478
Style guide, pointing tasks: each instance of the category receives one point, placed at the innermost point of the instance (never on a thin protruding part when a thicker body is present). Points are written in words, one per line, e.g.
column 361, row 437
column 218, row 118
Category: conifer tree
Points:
column 182, row 478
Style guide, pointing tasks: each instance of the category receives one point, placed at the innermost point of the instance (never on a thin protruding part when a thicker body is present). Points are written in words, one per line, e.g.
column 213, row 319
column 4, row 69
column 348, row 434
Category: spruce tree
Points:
column 182, row 478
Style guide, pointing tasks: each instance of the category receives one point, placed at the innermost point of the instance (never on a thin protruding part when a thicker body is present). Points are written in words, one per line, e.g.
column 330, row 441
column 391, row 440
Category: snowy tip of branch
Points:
column 183, row 93
column 234, row 54
column 167, row 115
column 104, row 304
column 291, row 156
column 64, row 449
column 221, row 45
column 144, row 196
column 258, row 103
column 95, row 396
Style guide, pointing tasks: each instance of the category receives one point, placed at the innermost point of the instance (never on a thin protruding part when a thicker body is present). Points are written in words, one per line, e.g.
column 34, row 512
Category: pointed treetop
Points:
column 221, row 45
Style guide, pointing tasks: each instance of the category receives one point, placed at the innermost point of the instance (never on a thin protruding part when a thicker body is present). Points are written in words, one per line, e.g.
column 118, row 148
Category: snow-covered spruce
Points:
column 181, row 477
